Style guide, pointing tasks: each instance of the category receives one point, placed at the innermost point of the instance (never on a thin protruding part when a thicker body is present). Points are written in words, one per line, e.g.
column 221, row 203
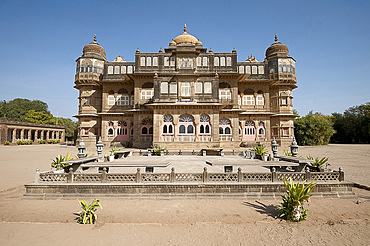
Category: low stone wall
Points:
column 182, row 185
column 180, row 191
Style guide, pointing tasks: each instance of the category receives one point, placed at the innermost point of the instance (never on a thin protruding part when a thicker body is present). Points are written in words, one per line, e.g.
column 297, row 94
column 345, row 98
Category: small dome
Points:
column 185, row 38
column 94, row 47
column 276, row 47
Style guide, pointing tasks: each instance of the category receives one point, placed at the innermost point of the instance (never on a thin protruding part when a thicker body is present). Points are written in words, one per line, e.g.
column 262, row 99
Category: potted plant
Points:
column 112, row 153
column 318, row 164
column 260, row 151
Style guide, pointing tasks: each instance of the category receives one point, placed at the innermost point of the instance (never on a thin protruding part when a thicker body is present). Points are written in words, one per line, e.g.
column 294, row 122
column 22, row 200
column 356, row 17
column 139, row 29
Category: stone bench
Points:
column 121, row 154
column 212, row 151
column 75, row 164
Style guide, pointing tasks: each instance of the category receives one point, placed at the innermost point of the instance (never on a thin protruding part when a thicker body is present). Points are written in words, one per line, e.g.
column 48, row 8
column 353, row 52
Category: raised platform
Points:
column 243, row 191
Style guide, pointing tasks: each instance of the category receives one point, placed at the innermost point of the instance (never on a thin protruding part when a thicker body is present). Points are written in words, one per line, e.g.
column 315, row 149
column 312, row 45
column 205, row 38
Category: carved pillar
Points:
column 36, row 136
column 215, row 126
column 175, row 129
column 14, row 139
column 235, row 127
column 242, row 125
column 196, row 126
column 22, row 134
column 47, row 136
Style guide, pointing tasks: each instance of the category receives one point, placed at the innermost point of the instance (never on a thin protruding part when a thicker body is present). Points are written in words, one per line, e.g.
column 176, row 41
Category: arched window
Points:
column 122, row 131
column 224, row 127
column 204, row 128
column 186, row 124
column 249, row 131
column 110, row 129
column 261, row 129
column 147, row 127
column 248, row 98
column 167, row 125
column 260, row 99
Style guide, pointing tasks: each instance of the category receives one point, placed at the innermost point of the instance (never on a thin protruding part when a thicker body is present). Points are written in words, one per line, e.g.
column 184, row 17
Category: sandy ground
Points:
column 175, row 222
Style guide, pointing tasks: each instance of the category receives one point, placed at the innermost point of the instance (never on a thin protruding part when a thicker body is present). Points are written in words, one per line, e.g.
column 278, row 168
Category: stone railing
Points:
column 173, row 177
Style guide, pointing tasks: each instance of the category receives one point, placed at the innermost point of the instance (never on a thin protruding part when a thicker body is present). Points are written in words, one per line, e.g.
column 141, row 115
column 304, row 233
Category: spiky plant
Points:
column 87, row 214
column 56, row 163
column 292, row 204
column 259, row 149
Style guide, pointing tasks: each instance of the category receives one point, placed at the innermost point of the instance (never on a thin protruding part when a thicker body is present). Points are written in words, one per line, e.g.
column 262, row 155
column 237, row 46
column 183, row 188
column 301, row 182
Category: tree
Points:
column 41, row 117
column 16, row 109
column 70, row 126
column 353, row 126
column 313, row 129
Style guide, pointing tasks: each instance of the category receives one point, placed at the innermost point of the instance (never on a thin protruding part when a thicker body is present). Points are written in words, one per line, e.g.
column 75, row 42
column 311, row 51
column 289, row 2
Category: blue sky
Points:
column 40, row 41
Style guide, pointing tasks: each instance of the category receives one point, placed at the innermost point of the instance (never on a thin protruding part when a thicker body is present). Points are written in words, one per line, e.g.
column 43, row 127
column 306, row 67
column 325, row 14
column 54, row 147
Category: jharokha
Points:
column 185, row 97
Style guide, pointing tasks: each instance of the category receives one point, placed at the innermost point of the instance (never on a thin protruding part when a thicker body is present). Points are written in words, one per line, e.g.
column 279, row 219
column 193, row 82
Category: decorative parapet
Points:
column 173, row 177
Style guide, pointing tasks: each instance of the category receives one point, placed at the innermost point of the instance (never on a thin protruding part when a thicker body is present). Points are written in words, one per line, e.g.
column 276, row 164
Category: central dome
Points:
column 185, row 38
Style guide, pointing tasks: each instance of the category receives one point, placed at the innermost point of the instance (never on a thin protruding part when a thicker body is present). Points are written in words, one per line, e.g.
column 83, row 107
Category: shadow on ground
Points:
column 269, row 210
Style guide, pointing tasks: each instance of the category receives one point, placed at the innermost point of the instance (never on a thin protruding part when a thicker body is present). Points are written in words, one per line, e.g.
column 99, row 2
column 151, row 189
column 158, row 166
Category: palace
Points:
column 185, row 97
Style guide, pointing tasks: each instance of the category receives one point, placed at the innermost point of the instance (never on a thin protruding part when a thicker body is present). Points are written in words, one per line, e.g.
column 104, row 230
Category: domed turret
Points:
column 185, row 38
column 94, row 49
column 277, row 47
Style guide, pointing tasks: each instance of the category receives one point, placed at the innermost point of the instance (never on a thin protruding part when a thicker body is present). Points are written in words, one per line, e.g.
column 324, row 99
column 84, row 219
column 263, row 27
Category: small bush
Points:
column 41, row 141
column 87, row 214
column 292, row 205
column 7, row 143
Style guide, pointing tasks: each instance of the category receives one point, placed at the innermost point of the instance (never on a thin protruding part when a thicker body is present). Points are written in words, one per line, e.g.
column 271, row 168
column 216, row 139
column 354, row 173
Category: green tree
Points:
column 353, row 126
column 313, row 129
column 71, row 127
column 16, row 109
column 41, row 117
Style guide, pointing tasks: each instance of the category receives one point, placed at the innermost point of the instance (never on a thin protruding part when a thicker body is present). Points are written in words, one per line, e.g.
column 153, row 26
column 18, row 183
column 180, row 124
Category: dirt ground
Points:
column 180, row 222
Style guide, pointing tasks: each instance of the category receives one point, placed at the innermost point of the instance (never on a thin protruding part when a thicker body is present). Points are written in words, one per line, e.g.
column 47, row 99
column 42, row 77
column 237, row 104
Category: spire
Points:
column 185, row 28
column 276, row 38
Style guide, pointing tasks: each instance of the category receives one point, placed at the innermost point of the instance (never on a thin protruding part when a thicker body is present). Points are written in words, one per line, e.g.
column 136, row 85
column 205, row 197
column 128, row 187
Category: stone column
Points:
column 196, row 126
column 42, row 135
column 36, row 136
column 62, row 136
column 47, row 135
column 29, row 134
column 175, row 130
column 22, row 134
column 235, row 127
column 215, row 126
column 242, row 125
column 14, row 137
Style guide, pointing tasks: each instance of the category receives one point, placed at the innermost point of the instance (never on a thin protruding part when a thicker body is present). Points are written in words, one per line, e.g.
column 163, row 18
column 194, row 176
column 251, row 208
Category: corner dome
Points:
column 277, row 47
column 185, row 38
column 94, row 48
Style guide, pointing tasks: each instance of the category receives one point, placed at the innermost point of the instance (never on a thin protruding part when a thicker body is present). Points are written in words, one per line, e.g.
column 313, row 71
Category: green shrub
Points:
column 292, row 204
column 41, row 141
column 259, row 149
column 87, row 214
column 57, row 162
column 7, row 143
column 319, row 163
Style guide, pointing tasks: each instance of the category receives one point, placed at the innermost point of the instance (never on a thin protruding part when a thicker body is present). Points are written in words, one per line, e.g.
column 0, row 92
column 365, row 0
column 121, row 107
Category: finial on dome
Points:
column 95, row 38
column 210, row 50
column 185, row 28
column 276, row 38
column 137, row 50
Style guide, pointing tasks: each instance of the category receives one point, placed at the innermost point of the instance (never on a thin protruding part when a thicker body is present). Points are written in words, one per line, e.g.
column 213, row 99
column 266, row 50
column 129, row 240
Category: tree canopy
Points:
column 16, row 109
column 353, row 126
column 34, row 111
column 313, row 129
